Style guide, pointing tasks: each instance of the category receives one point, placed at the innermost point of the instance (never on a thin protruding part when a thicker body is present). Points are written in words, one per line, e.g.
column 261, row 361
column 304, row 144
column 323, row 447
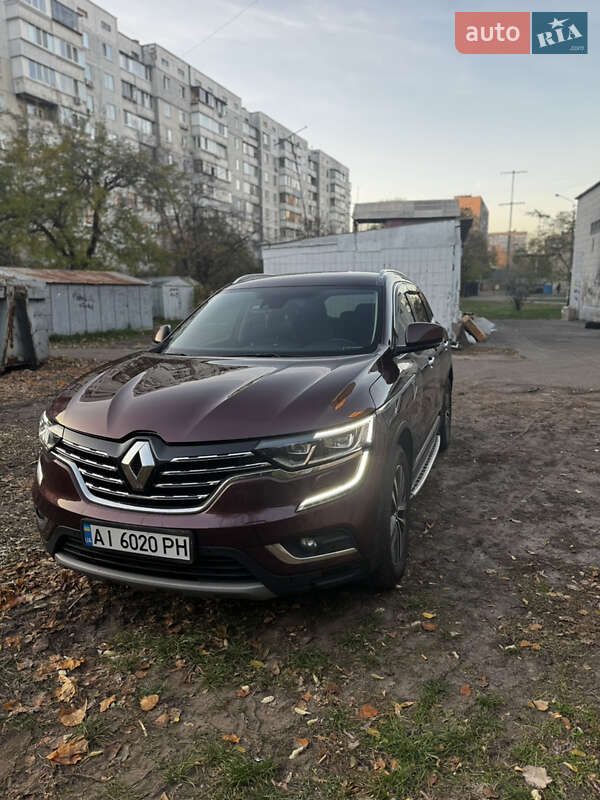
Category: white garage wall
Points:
column 427, row 253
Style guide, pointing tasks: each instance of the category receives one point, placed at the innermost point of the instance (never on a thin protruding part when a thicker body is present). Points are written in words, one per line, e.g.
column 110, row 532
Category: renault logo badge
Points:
column 137, row 464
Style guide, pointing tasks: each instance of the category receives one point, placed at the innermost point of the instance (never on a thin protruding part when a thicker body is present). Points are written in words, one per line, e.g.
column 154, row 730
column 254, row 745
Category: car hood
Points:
column 184, row 399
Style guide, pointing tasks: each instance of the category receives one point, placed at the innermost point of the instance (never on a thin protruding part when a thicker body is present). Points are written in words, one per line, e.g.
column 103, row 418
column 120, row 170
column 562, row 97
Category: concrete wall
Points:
column 88, row 308
column 428, row 254
column 585, row 281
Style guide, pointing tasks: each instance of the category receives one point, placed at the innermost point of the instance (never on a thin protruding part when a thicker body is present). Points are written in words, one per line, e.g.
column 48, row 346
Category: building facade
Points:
column 475, row 207
column 585, row 277
column 498, row 242
column 61, row 62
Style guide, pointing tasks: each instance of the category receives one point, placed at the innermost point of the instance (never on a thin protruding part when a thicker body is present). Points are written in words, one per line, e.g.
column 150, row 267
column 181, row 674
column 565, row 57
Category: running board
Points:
column 428, row 463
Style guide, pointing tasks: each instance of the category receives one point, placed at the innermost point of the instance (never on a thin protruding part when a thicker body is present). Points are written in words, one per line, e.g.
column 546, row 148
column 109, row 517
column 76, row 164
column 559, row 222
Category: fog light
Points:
column 309, row 544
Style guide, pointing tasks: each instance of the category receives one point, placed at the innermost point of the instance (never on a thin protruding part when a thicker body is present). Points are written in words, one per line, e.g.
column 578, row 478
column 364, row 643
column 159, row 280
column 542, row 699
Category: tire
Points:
column 393, row 523
column 446, row 418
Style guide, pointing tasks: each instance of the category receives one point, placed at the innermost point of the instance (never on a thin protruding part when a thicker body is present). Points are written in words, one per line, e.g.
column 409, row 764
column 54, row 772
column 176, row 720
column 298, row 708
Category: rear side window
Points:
column 402, row 314
column 419, row 306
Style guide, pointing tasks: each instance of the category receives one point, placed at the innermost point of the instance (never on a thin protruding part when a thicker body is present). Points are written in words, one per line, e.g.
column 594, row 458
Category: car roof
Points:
column 357, row 279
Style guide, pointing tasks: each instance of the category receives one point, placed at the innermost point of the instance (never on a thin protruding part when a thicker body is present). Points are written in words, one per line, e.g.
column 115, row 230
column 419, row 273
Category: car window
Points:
column 402, row 314
column 419, row 310
column 282, row 320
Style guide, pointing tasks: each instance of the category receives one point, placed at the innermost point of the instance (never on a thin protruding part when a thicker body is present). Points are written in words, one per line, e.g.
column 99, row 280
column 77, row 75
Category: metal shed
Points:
column 173, row 296
column 88, row 301
column 23, row 322
column 429, row 253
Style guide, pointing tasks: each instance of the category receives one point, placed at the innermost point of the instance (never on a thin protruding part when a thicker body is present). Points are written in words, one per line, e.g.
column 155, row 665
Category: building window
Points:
column 265, row 177
column 168, row 135
column 2, row 103
column 198, row 118
column 109, row 82
column 85, row 40
column 90, row 103
column 166, row 82
column 69, row 51
column 39, row 4
column 107, row 51
column 105, row 26
column 164, row 62
column 182, row 117
column 266, row 139
column 38, row 72
column 40, row 37
column 66, row 16
column 166, row 109
column 110, row 111
column 133, row 66
column 180, row 72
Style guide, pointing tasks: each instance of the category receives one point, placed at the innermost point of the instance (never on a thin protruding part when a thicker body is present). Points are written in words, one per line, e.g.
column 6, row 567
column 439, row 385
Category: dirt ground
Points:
column 476, row 678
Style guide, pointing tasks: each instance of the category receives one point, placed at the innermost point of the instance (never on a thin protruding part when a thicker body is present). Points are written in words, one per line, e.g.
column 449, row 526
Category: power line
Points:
column 512, row 203
column 220, row 28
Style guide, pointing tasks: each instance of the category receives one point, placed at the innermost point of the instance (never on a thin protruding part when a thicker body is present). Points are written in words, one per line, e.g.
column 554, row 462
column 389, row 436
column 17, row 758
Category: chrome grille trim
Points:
column 214, row 469
column 196, row 483
column 217, row 455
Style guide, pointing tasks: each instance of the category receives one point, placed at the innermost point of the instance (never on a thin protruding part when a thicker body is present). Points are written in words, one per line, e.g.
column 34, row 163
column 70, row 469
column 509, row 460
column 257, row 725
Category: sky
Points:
column 381, row 87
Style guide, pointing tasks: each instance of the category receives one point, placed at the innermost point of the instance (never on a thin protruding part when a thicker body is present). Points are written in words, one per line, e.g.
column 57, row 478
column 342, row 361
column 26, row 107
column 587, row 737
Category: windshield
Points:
column 283, row 321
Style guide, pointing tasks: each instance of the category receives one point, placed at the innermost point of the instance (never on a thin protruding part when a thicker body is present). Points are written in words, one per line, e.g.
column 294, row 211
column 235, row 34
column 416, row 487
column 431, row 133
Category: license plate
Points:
column 147, row 543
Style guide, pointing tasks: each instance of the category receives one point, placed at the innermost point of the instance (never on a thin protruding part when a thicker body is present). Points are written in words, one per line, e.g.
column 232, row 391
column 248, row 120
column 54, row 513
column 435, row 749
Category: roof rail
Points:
column 252, row 276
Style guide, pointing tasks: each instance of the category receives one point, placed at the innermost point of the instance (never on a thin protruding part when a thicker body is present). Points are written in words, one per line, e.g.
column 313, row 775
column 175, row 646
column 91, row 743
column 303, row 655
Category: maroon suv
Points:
column 270, row 444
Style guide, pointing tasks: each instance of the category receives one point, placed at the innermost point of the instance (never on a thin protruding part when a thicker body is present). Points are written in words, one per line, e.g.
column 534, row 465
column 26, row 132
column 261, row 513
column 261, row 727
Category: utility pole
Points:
column 512, row 203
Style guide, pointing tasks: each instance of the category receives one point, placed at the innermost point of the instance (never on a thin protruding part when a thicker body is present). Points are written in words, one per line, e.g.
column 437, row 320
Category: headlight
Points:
column 49, row 433
column 296, row 452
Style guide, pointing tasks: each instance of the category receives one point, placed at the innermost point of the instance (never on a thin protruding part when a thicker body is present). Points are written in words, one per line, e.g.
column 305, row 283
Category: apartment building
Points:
column 61, row 62
column 474, row 207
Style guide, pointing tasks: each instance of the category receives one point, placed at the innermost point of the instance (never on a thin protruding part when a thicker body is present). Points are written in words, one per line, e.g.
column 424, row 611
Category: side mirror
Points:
column 422, row 336
column 162, row 333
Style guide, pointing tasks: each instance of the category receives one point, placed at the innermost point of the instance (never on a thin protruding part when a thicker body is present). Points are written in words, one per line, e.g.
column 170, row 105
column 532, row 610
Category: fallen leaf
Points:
column 535, row 795
column 231, row 737
column 306, row 696
column 373, row 732
column 164, row 796
column 244, row 691
column 429, row 615
column 301, row 745
column 67, row 689
column 174, row 715
column 257, row 664
column 301, row 711
column 578, row 753
column 72, row 717
column 541, row 705
column 525, row 643
column 429, row 626
column 368, row 712
column 107, row 702
column 266, row 700
column 162, row 721
column 536, row 776
column 570, row 766
column 70, row 752
column 72, row 663
column 399, row 707
column 465, row 690
column 535, row 626
column 148, row 702
column 377, row 677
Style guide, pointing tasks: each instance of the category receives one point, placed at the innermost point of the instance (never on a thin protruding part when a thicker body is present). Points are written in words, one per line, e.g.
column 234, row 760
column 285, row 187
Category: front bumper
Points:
column 242, row 535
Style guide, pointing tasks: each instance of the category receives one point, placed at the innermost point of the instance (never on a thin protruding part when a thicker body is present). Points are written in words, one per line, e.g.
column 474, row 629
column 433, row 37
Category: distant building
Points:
column 474, row 206
column 585, row 278
column 498, row 242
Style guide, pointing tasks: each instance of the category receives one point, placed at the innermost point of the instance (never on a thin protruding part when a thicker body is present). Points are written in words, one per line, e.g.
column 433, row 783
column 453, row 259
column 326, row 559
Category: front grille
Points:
column 179, row 483
column 206, row 566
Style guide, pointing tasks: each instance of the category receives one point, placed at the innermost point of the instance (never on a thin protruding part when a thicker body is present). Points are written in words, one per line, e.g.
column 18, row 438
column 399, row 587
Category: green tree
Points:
column 67, row 200
column 477, row 259
column 552, row 248
column 193, row 238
